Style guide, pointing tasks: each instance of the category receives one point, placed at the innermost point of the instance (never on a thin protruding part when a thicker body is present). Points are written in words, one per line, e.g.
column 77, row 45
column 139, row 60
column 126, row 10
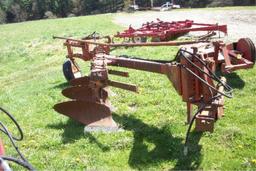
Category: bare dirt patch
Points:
column 241, row 23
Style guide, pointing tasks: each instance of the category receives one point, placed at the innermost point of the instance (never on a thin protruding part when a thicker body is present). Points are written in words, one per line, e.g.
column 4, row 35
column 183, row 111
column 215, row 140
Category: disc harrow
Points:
column 164, row 31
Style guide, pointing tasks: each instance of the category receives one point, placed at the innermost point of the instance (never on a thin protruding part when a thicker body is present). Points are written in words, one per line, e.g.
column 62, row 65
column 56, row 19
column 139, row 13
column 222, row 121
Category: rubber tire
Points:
column 67, row 70
column 253, row 50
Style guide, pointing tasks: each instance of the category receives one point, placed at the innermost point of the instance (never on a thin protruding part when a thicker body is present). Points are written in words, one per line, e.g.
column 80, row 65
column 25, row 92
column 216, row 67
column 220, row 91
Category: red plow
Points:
column 192, row 73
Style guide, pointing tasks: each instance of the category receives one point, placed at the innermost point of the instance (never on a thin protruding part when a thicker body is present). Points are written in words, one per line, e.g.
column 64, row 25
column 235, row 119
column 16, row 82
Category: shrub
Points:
column 2, row 16
column 221, row 3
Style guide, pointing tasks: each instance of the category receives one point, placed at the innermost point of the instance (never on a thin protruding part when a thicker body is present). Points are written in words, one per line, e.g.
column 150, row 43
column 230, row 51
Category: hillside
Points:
column 31, row 81
column 23, row 10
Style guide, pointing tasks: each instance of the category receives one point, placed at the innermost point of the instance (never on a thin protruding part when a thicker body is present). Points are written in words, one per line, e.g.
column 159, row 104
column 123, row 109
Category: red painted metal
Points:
column 239, row 55
column 164, row 31
column 2, row 151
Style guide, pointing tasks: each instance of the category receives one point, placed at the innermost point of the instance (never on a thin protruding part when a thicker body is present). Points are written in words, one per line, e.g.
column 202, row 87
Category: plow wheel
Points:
column 247, row 48
column 71, row 70
column 89, row 105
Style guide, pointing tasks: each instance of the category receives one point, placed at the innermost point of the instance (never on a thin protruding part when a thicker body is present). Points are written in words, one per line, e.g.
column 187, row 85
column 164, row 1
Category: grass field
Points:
column 31, row 81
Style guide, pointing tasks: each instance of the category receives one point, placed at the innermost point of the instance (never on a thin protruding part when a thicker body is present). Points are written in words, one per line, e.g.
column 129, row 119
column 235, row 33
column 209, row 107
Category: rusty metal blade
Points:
column 78, row 92
column 84, row 112
column 80, row 81
column 84, row 93
column 118, row 73
column 124, row 86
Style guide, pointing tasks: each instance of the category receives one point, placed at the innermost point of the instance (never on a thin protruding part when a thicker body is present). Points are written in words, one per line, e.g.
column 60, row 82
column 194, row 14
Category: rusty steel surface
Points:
column 239, row 55
column 191, row 75
column 243, row 45
column 80, row 43
column 84, row 93
column 118, row 73
column 138, row 64
column 85, row 80
column 89, row 113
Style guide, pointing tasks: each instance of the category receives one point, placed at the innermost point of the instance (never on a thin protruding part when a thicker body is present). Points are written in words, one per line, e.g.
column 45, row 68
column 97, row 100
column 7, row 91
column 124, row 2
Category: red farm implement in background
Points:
column 164, row 31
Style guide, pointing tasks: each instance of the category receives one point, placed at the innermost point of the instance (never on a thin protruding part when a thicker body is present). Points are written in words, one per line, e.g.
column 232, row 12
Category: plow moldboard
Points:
column 86, row 112
column 80, row 81
column 84, row 93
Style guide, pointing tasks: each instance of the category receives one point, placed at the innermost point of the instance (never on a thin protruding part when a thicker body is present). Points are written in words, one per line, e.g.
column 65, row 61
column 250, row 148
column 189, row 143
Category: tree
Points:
column 2, row 16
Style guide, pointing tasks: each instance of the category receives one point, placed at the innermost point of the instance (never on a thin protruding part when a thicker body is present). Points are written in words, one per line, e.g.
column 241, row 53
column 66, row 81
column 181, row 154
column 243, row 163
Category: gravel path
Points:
column 241, row 23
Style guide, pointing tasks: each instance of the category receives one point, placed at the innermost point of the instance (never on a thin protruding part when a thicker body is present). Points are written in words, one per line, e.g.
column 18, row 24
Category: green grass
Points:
column 31, row 81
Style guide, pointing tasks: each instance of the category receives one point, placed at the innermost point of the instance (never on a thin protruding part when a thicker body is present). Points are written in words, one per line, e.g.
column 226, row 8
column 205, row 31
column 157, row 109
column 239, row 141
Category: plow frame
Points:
column 192, row 73
column 192, row 76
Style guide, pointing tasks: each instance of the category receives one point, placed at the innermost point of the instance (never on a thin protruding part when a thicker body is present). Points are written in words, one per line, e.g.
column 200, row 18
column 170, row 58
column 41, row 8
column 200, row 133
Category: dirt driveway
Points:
column 241, row 23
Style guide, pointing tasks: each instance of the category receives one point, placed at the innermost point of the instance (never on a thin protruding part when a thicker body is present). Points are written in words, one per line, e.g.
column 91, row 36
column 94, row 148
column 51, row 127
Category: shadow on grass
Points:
column 61, row 86
column 235, row 81
column 165, row 146
column 74, row 131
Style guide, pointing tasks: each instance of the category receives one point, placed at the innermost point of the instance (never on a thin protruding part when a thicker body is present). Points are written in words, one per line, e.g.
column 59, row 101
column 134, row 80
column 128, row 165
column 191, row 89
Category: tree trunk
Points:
column 152, row 3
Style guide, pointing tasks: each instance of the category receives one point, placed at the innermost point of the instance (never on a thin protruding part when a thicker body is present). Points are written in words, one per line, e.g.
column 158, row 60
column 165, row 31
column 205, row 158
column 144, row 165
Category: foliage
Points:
column 5, row 4
column 218, row 3
column 26, row 4
column 198, row 3
column 2, row 16
column 90, row 5
column 35, row 9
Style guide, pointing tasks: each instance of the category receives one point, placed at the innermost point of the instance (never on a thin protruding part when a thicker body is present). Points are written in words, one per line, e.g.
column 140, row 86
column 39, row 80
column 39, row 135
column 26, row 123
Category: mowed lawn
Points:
column 31, row 81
